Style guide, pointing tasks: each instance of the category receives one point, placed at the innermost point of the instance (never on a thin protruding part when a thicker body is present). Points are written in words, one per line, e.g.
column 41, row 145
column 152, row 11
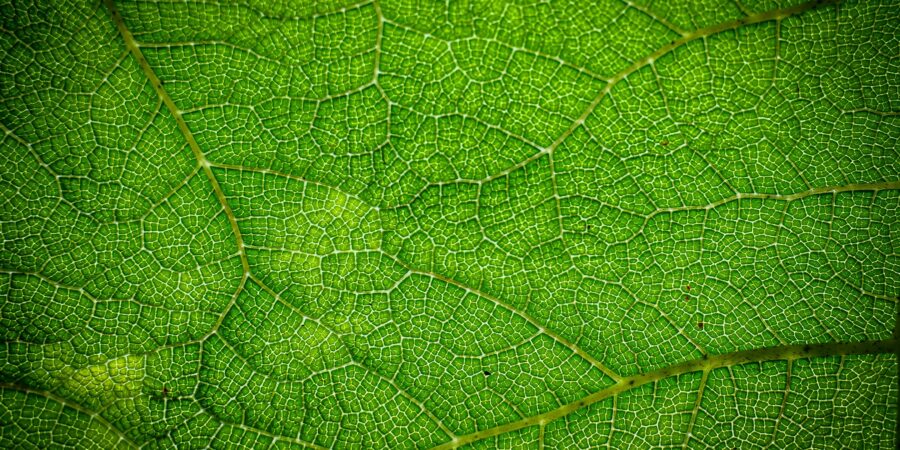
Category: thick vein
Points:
column 853, row 187
column 568, row 344
column 776, row 14
column 701, row 33
column 687, row 436
column 705, row 364
column 135, row 50
column 330, row 330
column 134, row 47
column 277, row 17
column 544, row 330
column 289, row 176
column 379, row 35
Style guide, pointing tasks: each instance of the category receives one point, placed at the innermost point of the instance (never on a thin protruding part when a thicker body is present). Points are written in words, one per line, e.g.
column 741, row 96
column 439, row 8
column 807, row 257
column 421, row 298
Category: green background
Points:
column 410, row 224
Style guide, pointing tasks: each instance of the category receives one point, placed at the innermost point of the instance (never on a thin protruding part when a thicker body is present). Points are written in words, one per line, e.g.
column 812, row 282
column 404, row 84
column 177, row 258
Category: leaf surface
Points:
column 481, row 224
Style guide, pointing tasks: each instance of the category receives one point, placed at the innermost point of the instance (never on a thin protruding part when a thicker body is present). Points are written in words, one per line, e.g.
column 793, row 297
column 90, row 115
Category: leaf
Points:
column 400, row 224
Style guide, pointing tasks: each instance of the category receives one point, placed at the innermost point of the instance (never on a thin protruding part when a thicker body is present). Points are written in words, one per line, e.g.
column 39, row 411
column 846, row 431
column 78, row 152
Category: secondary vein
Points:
column 705, row 364
column 134, row 47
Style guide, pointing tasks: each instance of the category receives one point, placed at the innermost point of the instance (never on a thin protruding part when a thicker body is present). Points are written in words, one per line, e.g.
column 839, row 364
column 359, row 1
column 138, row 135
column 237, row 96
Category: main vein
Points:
column 704, row 364
column 157, row 84
column 775, row 14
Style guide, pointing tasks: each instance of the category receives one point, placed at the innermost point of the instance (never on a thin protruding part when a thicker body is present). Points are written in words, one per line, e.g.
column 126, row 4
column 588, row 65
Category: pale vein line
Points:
column 544, row 330
column 281, row 18
column 656, row 17
column 132, row 46
column 783, row 407
column 512, row 48
column 692, row 36
column 853, row 187
column 743, row 8
column 696, row 409
column 337, row 335
column 706, row 364
column 777, row 14
column 810, row 350
column 288, row 176
column 379, row 35
column 135, row 50
column 74, row 406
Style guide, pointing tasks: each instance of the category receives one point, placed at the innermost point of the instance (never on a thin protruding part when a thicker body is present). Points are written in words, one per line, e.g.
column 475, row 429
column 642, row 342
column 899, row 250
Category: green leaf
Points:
column 420, row 224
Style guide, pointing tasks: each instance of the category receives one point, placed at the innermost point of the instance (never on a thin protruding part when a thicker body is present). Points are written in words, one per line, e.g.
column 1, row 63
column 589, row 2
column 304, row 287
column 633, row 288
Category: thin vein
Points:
column 784, row 352
column 135, row 50
column 550, row 333
column 776, row 14
column 72, row 405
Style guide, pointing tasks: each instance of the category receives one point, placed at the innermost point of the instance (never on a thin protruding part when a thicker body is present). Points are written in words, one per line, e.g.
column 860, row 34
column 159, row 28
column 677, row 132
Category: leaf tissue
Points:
column 467, row 224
